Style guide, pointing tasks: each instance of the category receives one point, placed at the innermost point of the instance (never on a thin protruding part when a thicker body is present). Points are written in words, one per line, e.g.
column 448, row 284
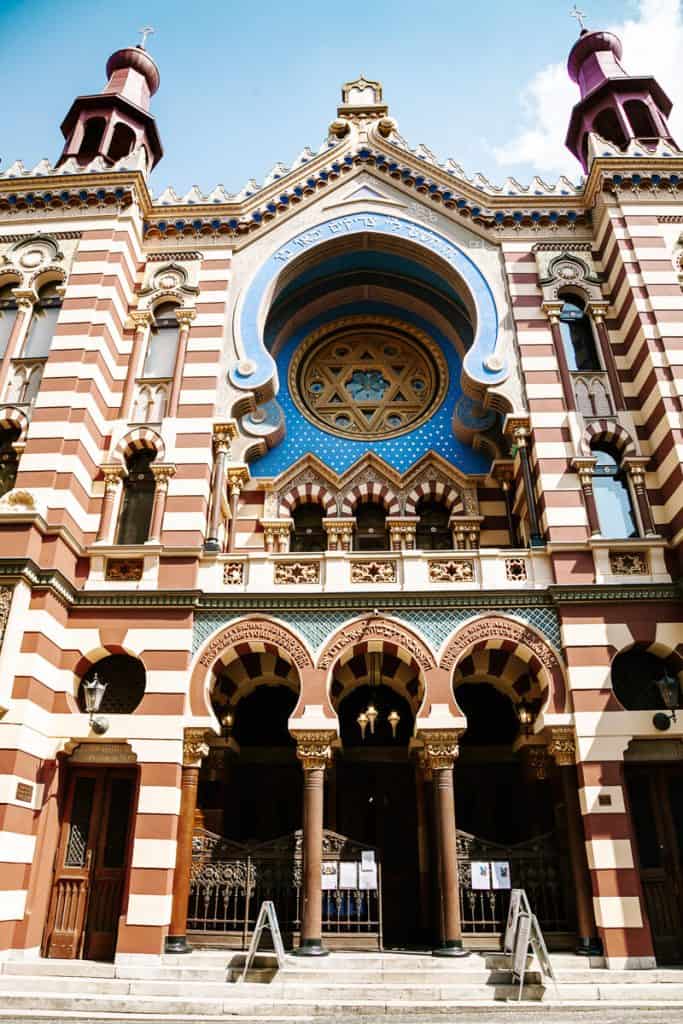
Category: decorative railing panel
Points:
column 592, row 392
column 536, row 866
column 230, row 880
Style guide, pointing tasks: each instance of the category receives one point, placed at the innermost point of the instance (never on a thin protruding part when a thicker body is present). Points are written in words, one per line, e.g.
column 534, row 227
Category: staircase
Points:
column 361, row 986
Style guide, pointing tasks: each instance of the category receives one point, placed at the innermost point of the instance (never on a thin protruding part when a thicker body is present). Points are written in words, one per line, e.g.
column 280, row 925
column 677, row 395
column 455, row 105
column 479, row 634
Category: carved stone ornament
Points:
column 538, row 761
column 314, row 748
column 18, row 501
column 628, row 563
column 498, row 629
column 455, row 570
column 195, row 747
column 562, row 746
column 124, row 570
column 257, row 631
column 441, row 748
column 515, row 570
column 297, row 572
column 5, row 603
column 373, row 572
column 376, row 629
column 103, row 753
column 233, row 573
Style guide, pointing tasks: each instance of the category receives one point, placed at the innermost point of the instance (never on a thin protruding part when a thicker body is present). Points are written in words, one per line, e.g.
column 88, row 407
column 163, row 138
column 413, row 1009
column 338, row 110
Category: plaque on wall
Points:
column 103, row 753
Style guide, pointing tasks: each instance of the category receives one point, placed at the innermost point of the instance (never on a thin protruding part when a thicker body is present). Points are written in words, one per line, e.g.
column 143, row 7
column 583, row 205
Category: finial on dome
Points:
column 144, row 32
column 579, row 15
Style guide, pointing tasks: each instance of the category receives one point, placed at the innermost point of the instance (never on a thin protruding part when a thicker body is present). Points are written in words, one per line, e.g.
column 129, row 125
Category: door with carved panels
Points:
column 656, row 799
column 91, row 865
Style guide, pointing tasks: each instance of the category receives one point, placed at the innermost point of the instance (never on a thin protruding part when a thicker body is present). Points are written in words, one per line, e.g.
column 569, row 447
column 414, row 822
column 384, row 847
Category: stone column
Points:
column 552, row 311
column 222, row 436
column 422, row 839
column 598, row 311
column 25, row 301
column 402, row 532
column 441, row 751
column 114, row 473
column 504, row 473
column 521, row 435
column 313, row 750
column 561, row 747
column 584, row 467
column 237, row 478
column 141, row 319
column 635, row 466
column 195, row 748
column 184, row 318
column 163, row 471
column 339, row 532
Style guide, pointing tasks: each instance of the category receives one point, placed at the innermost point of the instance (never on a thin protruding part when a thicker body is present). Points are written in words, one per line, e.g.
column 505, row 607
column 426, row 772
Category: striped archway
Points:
column 308, row 493
column 374, row 491
column 436, row 491
column 12, row 418
column 609, row 433
column 137, row 439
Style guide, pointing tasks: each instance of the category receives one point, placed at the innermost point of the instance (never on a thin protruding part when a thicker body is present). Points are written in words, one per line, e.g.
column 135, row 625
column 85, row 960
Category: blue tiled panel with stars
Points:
column 303, row 437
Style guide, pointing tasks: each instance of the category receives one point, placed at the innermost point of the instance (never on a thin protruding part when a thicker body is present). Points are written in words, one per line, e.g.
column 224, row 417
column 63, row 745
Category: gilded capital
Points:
column 163, row 471
column 441, row 748
column 562, row 745
column 114, row 473
column 141, row 318
column 223, row 433
column 195, row 747
column 238, row 476
column 552, row 310
column 314, row 748
column 185, row 315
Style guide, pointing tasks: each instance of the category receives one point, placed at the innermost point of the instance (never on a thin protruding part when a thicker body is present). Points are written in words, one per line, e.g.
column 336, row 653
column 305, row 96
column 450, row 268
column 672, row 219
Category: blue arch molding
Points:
column 260, row 366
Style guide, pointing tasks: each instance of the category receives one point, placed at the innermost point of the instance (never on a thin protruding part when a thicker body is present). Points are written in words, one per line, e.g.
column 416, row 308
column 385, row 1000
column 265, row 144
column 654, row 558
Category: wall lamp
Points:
column 525, row 714
column 94, row 694
column 670, row 692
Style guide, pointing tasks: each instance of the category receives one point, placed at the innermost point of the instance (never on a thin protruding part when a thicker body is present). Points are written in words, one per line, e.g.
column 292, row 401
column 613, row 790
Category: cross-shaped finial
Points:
column 579, row 15
column 147, row 31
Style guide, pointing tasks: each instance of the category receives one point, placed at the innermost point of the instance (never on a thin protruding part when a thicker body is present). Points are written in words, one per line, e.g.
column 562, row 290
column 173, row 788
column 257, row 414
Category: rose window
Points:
column 365, row 378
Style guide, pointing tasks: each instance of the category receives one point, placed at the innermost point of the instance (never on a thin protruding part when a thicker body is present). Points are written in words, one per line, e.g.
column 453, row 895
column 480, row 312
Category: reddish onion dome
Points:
column 139, row 60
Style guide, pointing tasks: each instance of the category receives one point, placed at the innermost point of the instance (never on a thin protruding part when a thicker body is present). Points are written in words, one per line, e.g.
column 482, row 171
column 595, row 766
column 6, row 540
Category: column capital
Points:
column 561, row 745
column 185, row 315
column 223, row 433
column 503, row 470
column 163, row 471
column 441, row 747
column 552, row 310
column 314, row 747
column 517, row 426
column 636, row 466
column 238, row 476
column 141, row 318
column 25, row 298
column 114, row 473
column 584, row 466
column 195, row 747
column 598, row 310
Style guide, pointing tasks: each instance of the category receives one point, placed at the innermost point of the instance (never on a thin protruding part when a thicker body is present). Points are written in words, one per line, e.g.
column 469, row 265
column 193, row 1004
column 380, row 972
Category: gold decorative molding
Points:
column 195, row 747
column 314, row 748
column 562, row 745
column 441, row 747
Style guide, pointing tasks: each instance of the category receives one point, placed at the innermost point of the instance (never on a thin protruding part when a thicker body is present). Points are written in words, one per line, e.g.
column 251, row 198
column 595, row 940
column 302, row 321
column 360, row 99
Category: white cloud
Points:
column 653, row 45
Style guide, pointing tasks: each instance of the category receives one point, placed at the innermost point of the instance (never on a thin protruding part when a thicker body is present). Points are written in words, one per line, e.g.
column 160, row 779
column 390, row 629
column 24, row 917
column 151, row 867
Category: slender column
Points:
column 422, row 840
column 636, row 470
column 584, row 467
column 598, row 311
column 237, row 478
column 114, row 473
column 552, row 311
column 313, row 750
column 25, row 301
column 441, row 751
column 162, row 474
column 141, row 318
column 562, row 748
column 521, row 434
column 184, row 318
column 223, row 433
column 195, row 748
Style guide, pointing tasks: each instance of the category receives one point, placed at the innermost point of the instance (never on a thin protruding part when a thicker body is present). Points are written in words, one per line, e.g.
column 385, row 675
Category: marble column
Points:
column 422, row 839
column 223, row 433
column 114, row 473
column 25, row 300
column 141, row 319
column 313, row 750
column 635, row 466
column 552, row 310
column 163, row 472
column 598, row 311
column 441, row 751
column 521, row 435
column 237, row 478
column 585, row 467
column 195, row 748
column 184, row 318
column 561, row 747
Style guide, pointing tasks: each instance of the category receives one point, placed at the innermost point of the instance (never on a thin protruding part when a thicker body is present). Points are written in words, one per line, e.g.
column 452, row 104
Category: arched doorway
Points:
column 371, row 792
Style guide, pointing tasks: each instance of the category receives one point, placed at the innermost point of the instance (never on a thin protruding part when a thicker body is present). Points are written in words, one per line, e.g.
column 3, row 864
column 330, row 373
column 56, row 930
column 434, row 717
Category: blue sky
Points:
column 244, row 85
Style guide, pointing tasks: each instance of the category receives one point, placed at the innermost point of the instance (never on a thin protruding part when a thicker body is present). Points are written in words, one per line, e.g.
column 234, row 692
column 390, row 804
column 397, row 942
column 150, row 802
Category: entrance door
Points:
column 656, row 798
column 90, row 866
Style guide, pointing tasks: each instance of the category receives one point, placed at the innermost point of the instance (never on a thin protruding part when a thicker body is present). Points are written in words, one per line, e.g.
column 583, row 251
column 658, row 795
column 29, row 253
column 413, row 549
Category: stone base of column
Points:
column 589, row 946
column 177, row 944
column 451, row 947
column 311, row 947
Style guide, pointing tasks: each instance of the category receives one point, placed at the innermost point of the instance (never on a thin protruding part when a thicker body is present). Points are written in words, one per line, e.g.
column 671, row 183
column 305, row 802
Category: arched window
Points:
column 608, row 126
column 122, row 142
column 577, row 336
column 163, row 344
column 8, row 459
column 43, row 322
column 92, row 138
column 138, row 499
column 125, row 679
column 309, row 534
column 433, row 532
column 640, row 119
column 612, row 496
column 634, row 677
column 8, row 314
column 371, row 527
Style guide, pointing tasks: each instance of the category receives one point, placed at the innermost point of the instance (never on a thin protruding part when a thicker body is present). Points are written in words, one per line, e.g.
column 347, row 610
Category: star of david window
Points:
column 365, row 378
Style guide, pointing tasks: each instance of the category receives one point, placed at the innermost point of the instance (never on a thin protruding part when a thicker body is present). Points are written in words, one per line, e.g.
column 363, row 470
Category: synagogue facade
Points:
column 341, row 535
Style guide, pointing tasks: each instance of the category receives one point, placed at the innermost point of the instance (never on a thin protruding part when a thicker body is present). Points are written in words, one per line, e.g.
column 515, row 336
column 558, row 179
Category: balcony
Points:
column 355, row 571
column 592, row 393
column 151, row 400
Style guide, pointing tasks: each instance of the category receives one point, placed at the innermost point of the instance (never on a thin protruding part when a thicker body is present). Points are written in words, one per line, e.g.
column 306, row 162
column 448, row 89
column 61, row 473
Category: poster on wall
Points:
column 330, row 875
column 481, row 874
column 500, row 874
column 348, row 874
column 367, row 874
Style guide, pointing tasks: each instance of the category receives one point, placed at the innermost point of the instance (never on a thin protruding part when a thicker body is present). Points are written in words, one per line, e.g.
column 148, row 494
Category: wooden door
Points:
column 91, row 864
column 656, row 799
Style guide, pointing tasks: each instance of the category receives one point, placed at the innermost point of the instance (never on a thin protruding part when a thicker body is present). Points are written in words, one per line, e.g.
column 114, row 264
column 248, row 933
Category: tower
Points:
column 617, row 106
column 115, row 122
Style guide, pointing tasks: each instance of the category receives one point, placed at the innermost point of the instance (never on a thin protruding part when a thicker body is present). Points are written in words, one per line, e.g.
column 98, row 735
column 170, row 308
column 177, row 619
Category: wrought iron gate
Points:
column 536, row 865
column 230, row 880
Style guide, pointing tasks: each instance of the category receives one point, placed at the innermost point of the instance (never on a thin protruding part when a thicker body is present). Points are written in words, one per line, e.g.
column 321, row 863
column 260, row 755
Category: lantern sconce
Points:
column 228, row 721
column 670, row 692
column 525, row 714
column 94, row 691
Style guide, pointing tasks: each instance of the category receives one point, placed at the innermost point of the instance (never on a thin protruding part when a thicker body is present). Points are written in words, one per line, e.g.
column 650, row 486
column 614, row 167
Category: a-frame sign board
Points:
column 267, row 918
column 521, row 930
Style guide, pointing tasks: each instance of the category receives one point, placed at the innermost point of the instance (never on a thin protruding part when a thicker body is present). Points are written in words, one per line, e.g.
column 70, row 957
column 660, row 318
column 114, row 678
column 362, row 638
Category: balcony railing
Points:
column 592, row 393
column 151, row 400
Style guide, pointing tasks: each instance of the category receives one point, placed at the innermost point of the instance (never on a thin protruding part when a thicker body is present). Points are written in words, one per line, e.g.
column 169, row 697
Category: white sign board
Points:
column 481, row 874
column 500, row 874
column 348, row 874
column 267, row 918
column 330, row 875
